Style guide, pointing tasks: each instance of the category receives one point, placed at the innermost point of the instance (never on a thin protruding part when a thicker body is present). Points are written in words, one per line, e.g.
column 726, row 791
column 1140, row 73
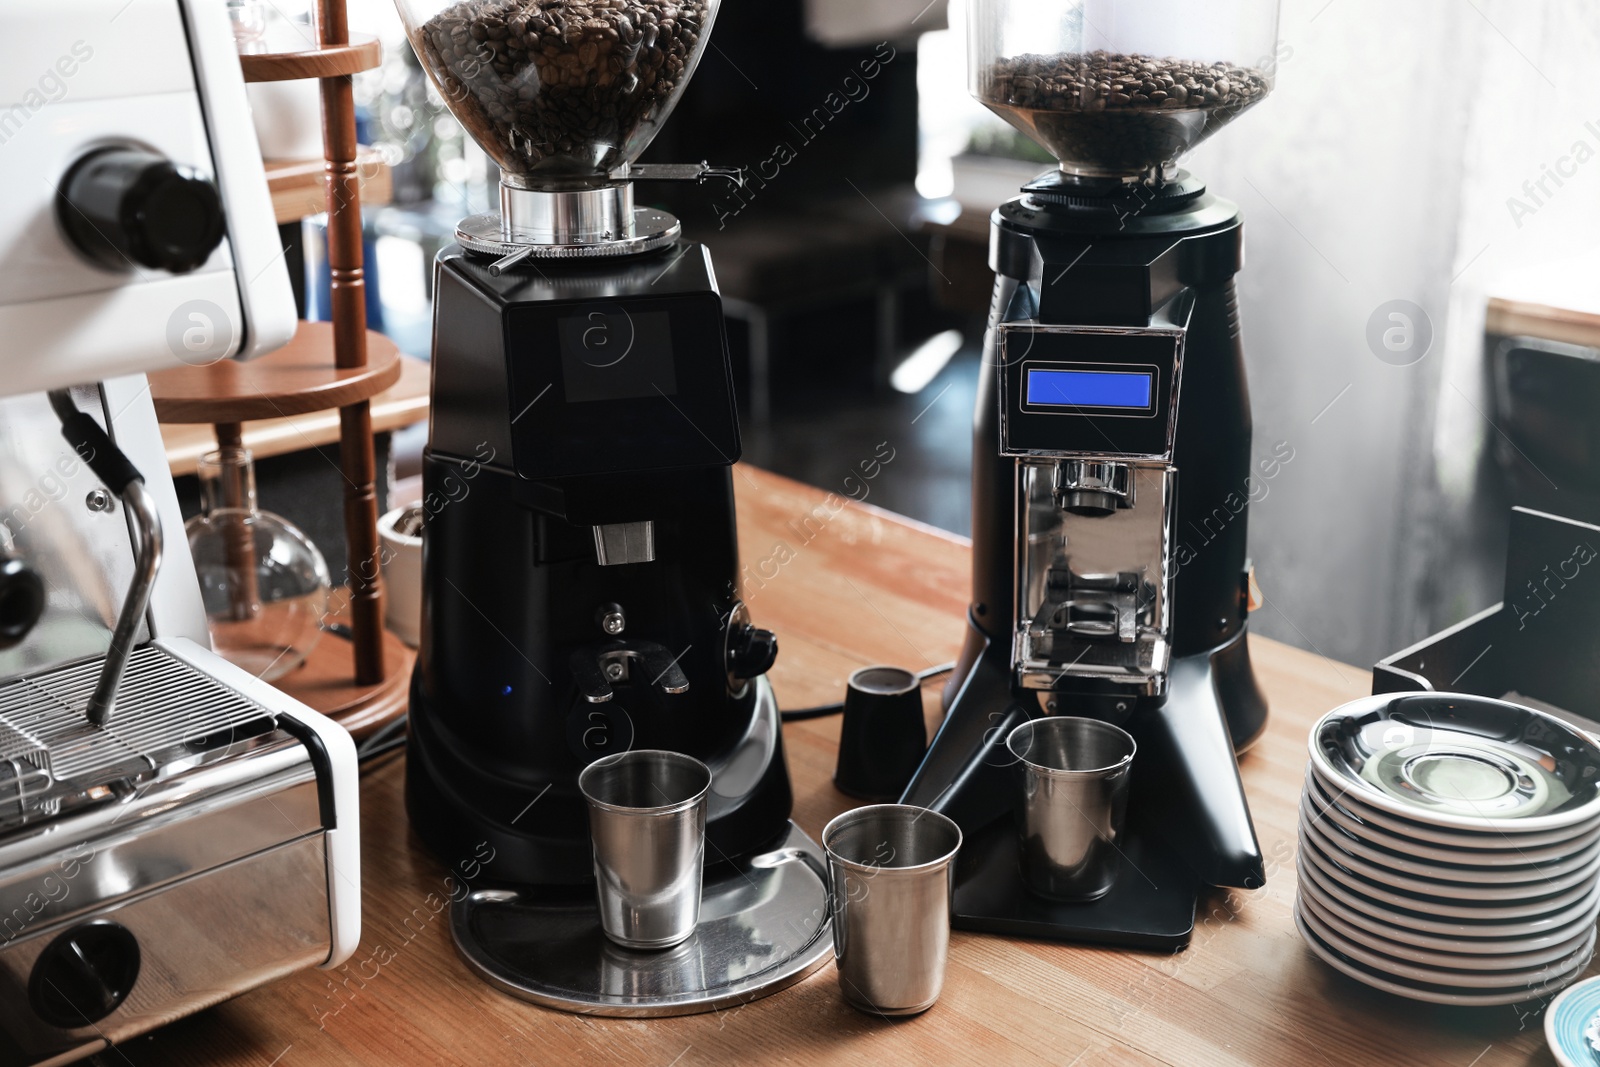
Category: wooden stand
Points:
column 328, row 365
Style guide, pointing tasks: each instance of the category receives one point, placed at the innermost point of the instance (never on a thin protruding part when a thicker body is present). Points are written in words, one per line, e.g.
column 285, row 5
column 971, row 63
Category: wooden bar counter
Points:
column 846, row 585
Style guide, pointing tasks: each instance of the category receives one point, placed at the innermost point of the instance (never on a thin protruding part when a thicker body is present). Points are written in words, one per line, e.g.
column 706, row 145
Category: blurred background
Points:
column 1422, row 205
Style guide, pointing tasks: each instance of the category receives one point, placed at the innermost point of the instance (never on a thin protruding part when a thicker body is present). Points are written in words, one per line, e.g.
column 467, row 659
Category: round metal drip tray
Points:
column 764, row 925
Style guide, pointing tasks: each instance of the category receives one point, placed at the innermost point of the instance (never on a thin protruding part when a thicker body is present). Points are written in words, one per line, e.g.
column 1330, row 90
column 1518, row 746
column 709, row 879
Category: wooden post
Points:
column 349, row 310
column 238, row 544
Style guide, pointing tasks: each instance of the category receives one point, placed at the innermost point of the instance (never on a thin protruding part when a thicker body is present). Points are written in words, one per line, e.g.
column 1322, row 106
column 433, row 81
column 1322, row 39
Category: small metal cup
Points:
column 647, row 816
column 1074, row 775
column 891, row 871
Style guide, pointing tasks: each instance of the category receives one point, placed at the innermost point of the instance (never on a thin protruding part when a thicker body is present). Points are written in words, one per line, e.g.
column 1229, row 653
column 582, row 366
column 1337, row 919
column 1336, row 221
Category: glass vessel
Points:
column 264, row 584
column 559, row 93
column 1120, row 89
column 249, row 21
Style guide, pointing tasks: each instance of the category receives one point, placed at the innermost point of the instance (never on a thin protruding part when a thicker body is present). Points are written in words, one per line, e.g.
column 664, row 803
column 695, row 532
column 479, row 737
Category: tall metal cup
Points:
column 647, row 816
column 891, row 871
column 1074, row 775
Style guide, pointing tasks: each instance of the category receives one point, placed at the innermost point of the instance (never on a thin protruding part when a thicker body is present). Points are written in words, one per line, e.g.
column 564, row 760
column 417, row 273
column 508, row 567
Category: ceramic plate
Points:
column 1412, row 920
column 1544, row 939
column 1516, row 907
column 1499, row 836
column 1461, row 761
column 1464, row 959
column 1388, row 965
column 1430, row 994
column 1532, row 881
column 1566, row 1021
column 1453, row 847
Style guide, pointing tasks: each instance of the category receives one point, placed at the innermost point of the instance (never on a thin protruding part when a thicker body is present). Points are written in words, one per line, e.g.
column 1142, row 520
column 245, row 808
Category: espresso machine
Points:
column 580, row 563
column 1111, row 458
column 173, row 831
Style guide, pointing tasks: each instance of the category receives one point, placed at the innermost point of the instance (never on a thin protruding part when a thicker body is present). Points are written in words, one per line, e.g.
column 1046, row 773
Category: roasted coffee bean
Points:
column 558, row 88
column 1115, row 113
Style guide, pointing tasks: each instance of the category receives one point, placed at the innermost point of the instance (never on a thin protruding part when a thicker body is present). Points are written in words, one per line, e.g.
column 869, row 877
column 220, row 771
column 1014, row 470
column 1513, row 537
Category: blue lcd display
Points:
column 1089, row 389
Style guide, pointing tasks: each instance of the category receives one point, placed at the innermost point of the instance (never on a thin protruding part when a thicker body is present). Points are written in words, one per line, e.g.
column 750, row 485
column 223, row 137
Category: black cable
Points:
column 822, row 711
column 386, row 739
column 393, row 735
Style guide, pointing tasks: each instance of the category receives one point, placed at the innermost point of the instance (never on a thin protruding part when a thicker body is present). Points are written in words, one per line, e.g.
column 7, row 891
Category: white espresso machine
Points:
column 173, row 831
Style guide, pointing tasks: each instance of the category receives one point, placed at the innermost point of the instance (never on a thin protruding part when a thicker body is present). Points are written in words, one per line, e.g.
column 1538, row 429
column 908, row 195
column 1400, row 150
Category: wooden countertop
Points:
column 871, row 587
column 1552, row 299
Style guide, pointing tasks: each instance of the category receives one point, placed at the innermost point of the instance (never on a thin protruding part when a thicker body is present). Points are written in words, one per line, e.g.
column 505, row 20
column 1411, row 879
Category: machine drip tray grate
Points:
column 45, row 733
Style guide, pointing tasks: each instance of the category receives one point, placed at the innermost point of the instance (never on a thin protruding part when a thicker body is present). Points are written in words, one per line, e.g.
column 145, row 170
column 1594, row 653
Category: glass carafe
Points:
column 264, row 584
column 559, row 93
column 1120, row 89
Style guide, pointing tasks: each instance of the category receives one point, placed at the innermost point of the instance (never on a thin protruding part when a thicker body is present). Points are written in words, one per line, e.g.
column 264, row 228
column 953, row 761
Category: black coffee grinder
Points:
column 1111, row 462
column 580, row 562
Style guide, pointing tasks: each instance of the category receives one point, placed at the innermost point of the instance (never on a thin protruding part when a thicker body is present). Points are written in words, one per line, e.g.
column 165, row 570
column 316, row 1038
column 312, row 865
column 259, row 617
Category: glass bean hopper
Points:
column 1120, row 89
column 564, row 95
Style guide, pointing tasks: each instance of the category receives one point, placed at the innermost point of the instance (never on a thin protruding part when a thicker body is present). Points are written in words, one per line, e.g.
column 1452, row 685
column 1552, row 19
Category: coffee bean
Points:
column 558, row 88
column 1127, row 114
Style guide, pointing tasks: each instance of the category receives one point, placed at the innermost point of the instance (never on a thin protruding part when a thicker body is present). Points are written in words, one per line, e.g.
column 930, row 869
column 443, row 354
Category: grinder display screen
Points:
column 1090, row 388
column 629, row 383
column 610, row 353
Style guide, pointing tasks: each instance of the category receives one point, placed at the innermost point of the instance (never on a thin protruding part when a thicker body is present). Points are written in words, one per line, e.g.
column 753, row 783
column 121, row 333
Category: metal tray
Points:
column 764, row 925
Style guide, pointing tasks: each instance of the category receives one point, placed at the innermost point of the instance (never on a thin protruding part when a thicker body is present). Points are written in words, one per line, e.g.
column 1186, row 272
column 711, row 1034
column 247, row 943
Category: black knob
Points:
column 126, row 206
column 21, row 600
column 751, row 652
column 83, row 974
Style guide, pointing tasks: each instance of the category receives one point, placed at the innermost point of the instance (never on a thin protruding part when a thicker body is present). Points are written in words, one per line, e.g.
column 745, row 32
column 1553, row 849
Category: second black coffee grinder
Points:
column 1111, row 458
column 580, row 562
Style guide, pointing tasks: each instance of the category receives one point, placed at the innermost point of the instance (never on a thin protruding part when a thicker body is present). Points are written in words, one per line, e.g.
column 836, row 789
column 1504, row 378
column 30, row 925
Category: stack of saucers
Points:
column 1450, row 848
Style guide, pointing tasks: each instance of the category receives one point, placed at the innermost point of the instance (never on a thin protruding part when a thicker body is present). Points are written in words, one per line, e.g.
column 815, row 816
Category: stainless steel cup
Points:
column 647, row 816
column 891, row 870
column 1074, row 775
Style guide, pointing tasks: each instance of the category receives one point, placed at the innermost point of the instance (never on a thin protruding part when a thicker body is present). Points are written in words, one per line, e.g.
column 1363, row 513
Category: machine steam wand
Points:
column 119, row 474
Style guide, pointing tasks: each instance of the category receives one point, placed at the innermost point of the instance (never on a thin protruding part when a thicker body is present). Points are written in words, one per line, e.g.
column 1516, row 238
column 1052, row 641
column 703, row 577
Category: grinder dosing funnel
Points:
column 1120, row 89
column 563, row 95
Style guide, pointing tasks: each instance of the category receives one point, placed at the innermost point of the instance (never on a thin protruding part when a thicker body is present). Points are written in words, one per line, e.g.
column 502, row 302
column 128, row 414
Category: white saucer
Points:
column 1514, row 943
column 1430, row 995
column 1458, row 865
column 1343, row 853
column 1411, row 920
column 1489, row 834
column 1462, row 960
column 1517, row 908
column 1461, row 761
column 1447, row 845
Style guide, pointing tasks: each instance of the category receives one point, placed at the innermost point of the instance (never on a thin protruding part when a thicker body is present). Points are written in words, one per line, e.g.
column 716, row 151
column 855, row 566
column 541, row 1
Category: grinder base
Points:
column 1151, row 905
column 764, row 925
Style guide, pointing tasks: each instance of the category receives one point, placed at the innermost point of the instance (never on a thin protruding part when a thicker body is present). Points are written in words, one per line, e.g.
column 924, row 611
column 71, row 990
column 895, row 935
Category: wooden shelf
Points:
column 324, row 682
column 404, row 403
column 298, row 378
column 329, row 61
column 299, row 186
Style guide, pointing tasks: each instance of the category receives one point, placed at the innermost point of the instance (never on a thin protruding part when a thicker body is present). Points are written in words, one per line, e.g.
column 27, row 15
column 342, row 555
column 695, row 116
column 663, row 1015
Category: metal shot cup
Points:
column 1074, row 778
column 891, row 870
column 647, row 816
